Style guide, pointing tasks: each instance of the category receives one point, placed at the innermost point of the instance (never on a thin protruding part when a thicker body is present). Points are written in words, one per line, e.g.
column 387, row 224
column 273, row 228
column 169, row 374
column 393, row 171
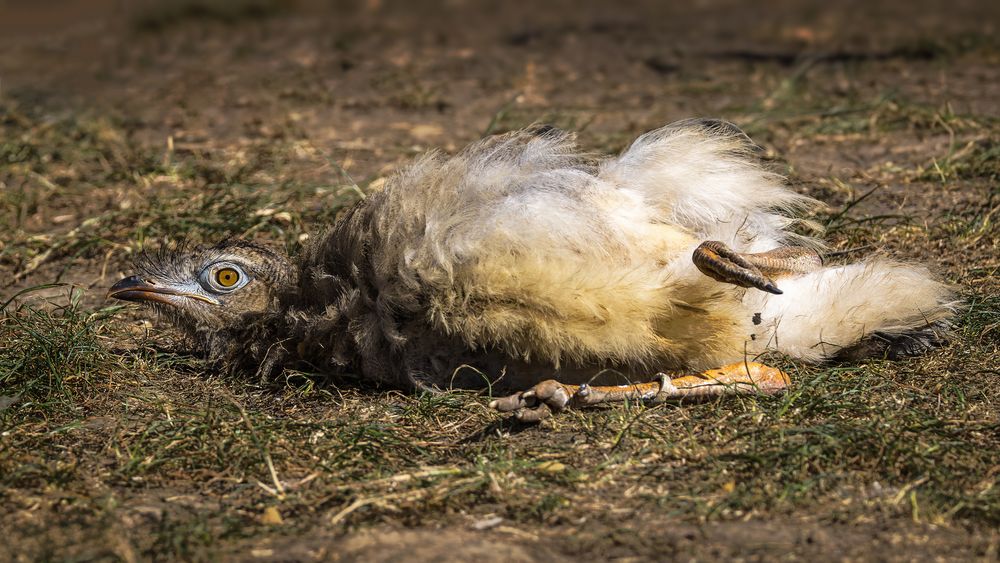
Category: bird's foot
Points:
column 720, row 262
column 550, row 396
column 539, row 402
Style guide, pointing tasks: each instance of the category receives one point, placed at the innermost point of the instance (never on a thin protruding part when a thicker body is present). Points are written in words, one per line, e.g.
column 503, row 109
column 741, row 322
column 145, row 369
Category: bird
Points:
column 554, row 278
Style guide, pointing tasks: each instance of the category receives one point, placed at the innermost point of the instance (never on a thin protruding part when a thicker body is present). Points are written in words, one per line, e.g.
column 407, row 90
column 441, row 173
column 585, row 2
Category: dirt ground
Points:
column 127, row 125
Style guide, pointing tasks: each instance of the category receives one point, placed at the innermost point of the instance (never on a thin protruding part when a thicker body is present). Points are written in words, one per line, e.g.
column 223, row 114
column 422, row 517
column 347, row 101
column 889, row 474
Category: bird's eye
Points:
column 227, row 277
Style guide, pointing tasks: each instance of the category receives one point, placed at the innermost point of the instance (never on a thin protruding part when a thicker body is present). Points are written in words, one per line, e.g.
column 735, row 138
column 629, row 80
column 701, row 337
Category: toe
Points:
column 536, row 403
column 535, row 414
column 511, row 403
column 552, row 393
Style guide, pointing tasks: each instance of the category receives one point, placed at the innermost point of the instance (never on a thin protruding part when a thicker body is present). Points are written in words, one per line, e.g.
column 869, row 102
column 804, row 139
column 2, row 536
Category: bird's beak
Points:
column 134, row 288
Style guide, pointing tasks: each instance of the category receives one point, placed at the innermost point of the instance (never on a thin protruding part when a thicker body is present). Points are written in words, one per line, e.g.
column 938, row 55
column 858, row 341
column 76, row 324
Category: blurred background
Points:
column 125, row 125
column 198, row 119
column 125, row 121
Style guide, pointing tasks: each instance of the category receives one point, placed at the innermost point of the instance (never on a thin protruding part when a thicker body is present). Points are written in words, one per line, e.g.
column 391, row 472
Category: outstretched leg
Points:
column 716, row 260
column 551, row 396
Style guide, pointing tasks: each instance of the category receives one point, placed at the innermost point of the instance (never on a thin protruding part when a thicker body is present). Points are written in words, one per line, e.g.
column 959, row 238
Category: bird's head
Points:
column 208, row 290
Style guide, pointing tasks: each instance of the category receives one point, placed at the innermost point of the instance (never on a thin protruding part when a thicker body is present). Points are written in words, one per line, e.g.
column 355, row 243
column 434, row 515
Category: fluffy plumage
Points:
column 527, row 259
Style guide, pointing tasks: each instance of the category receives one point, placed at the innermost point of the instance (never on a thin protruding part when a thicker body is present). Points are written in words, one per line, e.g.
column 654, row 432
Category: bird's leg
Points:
column 551, row 396
column 716, row 260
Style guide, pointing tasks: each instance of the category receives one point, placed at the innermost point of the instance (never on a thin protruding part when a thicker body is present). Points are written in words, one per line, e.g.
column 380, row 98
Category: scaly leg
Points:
column 551, row 396
column 716, row 260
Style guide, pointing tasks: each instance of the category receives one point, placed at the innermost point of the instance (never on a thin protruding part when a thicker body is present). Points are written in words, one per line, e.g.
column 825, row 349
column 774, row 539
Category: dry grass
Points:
column 116, row 442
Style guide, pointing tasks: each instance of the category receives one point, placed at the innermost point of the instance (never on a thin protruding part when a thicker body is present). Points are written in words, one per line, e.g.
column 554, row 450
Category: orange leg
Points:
column 551, row 396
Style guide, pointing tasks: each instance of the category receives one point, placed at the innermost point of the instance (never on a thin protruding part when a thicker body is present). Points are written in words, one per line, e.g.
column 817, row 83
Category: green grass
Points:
column 163, row 193
column 48, row 355
column 915, row 439
column 116, row 442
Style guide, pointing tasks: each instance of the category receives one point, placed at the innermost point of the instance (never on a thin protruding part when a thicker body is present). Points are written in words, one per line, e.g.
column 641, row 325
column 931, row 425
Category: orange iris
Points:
column 227, row 277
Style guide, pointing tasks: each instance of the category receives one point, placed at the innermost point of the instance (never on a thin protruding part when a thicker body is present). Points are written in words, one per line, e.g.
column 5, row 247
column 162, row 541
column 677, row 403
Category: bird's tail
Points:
column 868, row 308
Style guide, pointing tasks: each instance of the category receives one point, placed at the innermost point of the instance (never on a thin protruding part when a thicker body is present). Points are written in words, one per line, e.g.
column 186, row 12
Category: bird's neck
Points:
column 255, row 345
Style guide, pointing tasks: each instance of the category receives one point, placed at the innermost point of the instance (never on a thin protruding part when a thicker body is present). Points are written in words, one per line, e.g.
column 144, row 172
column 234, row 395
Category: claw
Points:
column 771, row 288
column 721, row 263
